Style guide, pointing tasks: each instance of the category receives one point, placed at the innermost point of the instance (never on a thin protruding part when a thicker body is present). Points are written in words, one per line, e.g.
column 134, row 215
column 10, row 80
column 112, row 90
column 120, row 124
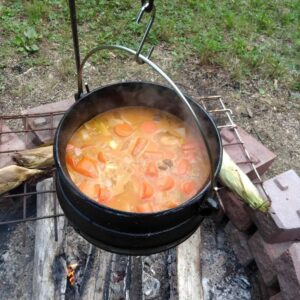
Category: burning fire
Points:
column 71, row 268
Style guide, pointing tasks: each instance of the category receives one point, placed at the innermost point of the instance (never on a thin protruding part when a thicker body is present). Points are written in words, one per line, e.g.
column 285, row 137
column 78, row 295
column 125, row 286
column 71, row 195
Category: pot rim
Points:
column 188, row 202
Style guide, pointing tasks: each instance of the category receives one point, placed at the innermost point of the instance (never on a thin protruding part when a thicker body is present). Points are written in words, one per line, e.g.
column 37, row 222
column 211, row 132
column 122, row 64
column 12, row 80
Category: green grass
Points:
column 254, row 38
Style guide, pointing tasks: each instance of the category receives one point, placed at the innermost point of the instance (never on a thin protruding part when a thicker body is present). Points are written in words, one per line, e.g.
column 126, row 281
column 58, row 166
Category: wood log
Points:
column 49, row 275
column 189, row 268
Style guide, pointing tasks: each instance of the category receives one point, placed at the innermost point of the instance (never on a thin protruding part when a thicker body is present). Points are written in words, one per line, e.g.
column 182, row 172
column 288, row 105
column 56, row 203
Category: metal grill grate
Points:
column 25, row 128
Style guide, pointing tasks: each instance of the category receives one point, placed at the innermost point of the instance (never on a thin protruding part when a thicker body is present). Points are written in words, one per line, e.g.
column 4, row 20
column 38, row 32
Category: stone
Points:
column 40, row 119
column 9, row 142
column 261, row 156
column 265, row 255
column 282, row 223
column 239, row 243
column 288, row 272
column 235, row 209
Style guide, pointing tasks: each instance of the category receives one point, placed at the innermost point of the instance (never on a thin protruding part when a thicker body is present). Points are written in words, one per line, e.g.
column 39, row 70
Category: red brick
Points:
column 239, row 244
column 265, row 255
column 282, row 223
column 278, row 296
column 261, row 156
column 40, row 122
column 288, row 272
column 8, row 142
column 235, row 209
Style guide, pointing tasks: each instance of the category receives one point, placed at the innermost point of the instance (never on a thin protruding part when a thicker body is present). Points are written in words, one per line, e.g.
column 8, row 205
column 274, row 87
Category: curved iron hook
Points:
column 144, row 9
column 150, row 6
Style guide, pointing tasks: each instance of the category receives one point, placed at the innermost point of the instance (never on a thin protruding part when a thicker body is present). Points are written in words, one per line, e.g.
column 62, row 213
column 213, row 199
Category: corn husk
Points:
column 39, row 158
column 238, row 182
column 13, row 176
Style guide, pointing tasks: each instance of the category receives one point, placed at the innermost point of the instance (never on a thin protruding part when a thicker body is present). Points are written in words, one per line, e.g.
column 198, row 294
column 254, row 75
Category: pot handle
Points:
column 168, row 79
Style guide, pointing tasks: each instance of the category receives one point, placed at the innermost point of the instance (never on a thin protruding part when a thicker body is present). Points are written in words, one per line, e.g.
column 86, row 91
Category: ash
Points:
column 223, row 278
column 16, row 261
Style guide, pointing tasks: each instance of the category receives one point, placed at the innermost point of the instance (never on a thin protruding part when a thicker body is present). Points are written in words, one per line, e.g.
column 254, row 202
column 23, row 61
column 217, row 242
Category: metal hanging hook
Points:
column 147, row 7
column 150, row 6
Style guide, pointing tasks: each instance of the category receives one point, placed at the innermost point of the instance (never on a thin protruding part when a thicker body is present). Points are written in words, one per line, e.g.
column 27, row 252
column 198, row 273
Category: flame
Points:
column 71, row 268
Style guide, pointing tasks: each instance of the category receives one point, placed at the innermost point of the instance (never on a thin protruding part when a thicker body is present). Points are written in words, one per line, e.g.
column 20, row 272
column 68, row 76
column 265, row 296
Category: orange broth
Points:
column 137, row 159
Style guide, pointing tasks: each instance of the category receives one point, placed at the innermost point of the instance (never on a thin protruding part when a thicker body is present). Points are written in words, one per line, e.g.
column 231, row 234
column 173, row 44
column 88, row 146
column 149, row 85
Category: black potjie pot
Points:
column 119, row 231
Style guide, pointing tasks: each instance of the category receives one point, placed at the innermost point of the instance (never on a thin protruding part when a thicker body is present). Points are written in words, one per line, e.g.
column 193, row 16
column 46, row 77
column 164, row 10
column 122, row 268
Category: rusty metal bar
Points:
column 30, row 219
column 37, row 115
column 25, row 191
column 55, row 212
column 28, row 130
column 27, row 194
column 228, row 113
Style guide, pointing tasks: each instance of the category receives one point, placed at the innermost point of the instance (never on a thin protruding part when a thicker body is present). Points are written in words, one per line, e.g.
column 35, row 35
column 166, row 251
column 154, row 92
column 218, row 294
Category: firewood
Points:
column 49, row 266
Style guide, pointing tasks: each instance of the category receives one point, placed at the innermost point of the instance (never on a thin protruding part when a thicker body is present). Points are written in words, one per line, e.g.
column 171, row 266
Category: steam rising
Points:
column 134, row 94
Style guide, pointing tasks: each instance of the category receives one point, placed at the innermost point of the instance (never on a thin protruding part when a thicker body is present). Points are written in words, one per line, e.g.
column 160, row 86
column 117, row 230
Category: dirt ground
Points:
column 263, row 108
column 266, row 110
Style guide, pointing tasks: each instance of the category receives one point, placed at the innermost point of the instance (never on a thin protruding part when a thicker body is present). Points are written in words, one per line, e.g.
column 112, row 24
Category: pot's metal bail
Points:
column 146, row 7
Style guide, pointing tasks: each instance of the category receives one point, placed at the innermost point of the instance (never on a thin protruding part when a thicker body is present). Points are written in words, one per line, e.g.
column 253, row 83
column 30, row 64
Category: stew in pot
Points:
column 137, row 159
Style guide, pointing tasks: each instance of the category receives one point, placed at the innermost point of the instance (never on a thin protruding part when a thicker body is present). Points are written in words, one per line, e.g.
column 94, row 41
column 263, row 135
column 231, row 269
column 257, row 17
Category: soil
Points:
column 264, row 109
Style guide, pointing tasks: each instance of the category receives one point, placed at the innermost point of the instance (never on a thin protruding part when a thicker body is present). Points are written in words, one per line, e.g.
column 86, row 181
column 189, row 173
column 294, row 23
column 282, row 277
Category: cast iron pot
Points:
column 119, row 231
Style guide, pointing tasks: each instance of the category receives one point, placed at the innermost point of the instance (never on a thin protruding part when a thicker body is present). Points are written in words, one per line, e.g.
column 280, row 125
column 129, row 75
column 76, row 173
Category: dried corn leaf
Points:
column 13, row 176
column 41, row 157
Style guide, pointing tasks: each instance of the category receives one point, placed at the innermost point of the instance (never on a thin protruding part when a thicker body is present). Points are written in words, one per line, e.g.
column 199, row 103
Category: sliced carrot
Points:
column 167, row 183
column 104, row 195
column 70, row 160
column 148, row 127
column 147, row 190
column 123, row 130
column 87, row 167
column 101, row 157
column 90, row 189
column 182, row 167
column 189, row 188
column 152, row 169
column 145, row 207
column 189, row 146
column 140, row 144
